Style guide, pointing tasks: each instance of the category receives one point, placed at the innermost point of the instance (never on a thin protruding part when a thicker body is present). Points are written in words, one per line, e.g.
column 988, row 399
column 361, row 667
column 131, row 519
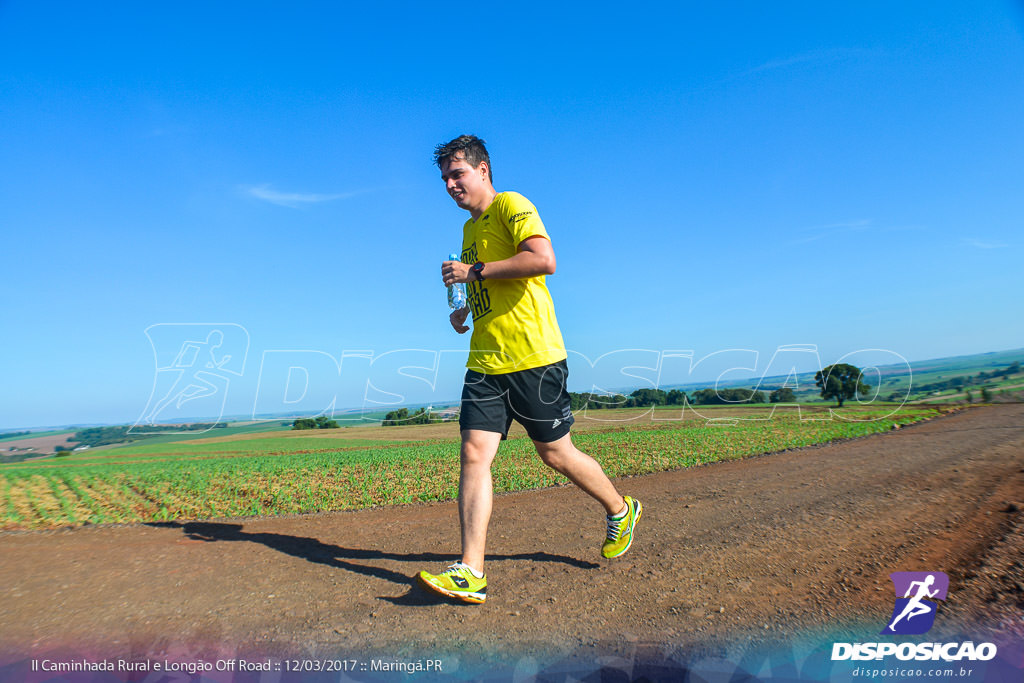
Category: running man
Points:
column 517, row 362
column 917, row 606
column 198, row 384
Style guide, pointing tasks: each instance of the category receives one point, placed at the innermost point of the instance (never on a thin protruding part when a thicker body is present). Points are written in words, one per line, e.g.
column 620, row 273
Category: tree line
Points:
column 643, row 398
column 102, row 436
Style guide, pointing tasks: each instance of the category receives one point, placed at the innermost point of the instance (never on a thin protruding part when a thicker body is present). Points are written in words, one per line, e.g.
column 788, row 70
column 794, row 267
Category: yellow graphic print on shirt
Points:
column 514, row 325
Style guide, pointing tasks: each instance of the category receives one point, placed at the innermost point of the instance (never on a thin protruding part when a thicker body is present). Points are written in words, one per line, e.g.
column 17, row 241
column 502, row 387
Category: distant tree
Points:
column 593, row 401
column 783, row 395
column 608, row 401
column 986, row 396
column 402, row 417
column 840, row 381
column 320, row 422
column 420, row 417
column 395, row 417
column 675, row 397
column 970, row 396
column 705, row 397
column 726, row 396
column 577, row 401
column 647, row 397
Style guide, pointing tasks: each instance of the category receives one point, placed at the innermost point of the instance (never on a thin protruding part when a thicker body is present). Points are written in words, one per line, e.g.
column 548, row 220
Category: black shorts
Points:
column 536, row 398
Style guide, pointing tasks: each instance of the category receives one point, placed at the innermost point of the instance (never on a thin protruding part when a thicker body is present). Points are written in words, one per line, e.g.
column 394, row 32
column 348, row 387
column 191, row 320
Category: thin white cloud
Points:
column 858, row 224
column 815, row 233
column 821, row 231
column 978, row 244
column 815, row 56
column 780, row 63
column 294, row 199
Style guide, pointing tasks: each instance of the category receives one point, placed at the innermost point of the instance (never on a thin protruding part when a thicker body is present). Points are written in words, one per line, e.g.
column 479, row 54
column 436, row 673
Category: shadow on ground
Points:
column 314, row 550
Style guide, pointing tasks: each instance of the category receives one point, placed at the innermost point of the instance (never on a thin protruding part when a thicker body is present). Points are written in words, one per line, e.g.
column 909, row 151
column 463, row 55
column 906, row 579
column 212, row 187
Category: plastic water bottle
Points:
column 456, row 292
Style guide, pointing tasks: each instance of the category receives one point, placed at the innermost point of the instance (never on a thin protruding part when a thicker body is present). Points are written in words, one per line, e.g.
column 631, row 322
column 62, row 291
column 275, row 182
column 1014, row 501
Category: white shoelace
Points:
column 615, row 526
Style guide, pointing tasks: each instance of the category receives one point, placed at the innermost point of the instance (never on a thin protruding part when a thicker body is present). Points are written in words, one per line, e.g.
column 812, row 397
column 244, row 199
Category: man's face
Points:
column 468, row 186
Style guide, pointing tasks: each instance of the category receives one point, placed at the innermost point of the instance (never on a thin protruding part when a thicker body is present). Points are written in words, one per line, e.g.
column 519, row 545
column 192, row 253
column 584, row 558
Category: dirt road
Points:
column 764, row 550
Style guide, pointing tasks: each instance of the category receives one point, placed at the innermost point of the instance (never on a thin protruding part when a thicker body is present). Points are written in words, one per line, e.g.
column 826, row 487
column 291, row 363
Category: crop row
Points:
column 240, row 483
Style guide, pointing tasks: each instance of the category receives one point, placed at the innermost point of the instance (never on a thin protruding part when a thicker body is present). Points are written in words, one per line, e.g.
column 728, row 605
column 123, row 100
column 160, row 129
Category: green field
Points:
column 293, row 474
column 230, row 430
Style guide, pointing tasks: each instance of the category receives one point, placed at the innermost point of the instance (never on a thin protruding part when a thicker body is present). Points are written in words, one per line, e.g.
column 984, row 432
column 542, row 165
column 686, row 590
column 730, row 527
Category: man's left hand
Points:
column 453, row 272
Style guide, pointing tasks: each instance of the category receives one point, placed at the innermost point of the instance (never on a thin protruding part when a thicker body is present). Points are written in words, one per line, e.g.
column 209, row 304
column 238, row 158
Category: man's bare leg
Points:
column 476, row 493
column 582, row 470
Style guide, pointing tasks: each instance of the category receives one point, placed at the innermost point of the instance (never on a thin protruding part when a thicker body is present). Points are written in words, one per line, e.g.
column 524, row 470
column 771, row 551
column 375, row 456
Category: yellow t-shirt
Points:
column 514, row 325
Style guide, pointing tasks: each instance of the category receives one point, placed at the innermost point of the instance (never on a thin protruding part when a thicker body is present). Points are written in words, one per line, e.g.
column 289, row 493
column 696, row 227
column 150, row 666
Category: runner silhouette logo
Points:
column 917, row 594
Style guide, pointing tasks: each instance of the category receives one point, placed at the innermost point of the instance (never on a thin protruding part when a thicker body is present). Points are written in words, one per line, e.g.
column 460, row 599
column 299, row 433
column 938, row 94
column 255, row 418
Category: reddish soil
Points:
column 37, row 444
column 776, row 549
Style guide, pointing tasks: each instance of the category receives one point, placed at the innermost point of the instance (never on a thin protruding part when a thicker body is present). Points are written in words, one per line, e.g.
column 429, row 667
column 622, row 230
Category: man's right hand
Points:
column 458, row 320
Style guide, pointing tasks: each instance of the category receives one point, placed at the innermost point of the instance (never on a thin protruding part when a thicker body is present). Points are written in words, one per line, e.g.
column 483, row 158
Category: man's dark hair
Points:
column 471, row 148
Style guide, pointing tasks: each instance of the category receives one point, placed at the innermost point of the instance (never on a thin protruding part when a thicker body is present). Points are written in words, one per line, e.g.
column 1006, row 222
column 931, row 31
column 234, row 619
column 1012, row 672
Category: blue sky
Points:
column 748, row 176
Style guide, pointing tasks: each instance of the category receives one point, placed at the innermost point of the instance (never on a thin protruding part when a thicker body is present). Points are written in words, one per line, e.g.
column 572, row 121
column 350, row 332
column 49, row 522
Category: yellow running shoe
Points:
column 620, row 531
column 457, row 581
